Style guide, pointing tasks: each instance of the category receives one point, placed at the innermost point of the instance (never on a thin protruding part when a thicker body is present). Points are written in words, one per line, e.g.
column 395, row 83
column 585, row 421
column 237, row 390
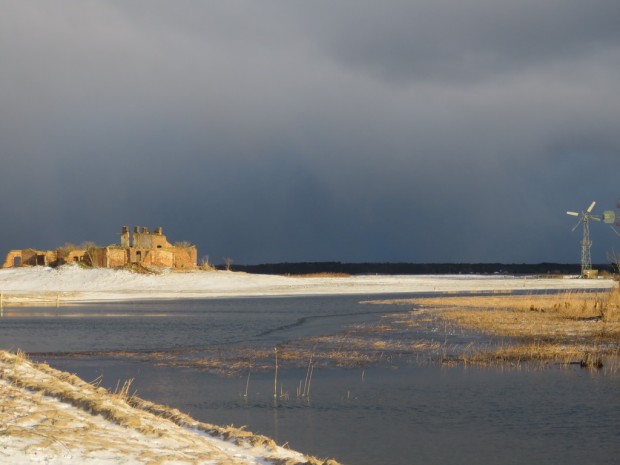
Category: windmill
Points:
column 610, row 217
column 586, row 243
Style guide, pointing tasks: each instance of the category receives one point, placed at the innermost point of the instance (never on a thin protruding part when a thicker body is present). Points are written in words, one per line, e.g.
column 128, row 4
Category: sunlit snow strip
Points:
column 75, row 284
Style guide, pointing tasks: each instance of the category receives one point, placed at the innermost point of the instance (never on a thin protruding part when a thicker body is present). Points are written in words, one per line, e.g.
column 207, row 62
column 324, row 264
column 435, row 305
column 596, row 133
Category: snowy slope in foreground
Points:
column 73, row 283
column 54, row 418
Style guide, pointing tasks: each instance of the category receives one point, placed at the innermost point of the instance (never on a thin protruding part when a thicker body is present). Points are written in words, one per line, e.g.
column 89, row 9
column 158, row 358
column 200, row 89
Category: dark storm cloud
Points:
column 274, row 131
column 459, row 40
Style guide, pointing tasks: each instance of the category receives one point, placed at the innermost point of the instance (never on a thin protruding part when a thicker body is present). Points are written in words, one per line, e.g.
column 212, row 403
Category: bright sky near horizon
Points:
column 412, row 131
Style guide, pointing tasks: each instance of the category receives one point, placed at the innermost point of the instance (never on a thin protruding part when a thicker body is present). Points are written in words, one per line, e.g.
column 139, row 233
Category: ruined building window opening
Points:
column 40, row 260
column 76, row 259
column 159, row 246
column 17, row 261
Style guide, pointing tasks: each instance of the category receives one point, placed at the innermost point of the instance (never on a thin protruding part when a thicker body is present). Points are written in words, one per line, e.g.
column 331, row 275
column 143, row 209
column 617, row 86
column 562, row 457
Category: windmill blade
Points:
column 591, row 207
column 577, row 225
column 595, row 218
column 572, row 213
column 614, row 229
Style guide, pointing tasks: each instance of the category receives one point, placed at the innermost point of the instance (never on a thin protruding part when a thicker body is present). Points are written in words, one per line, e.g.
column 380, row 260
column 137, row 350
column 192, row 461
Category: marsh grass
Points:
column 583, row 355
column 569, row 315
column 567, row 328
column 122, row 391
column 339, row 350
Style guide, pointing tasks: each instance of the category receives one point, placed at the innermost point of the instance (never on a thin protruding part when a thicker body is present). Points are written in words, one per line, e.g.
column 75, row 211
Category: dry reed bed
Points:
column 345, row 350
column 25, row 379
column 359, row 346
column 323, row 351
column 572, row 327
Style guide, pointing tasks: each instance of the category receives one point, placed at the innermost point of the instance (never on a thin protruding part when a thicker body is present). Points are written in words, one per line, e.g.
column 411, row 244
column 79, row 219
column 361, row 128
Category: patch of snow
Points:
column 72, row 283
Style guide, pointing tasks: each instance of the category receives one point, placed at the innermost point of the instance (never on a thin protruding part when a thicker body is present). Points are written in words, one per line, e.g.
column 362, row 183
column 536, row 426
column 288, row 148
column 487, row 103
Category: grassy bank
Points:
column 55, row 417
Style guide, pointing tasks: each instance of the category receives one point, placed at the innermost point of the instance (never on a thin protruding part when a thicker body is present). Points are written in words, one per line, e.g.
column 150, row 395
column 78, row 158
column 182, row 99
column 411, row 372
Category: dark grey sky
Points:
column 418, row 130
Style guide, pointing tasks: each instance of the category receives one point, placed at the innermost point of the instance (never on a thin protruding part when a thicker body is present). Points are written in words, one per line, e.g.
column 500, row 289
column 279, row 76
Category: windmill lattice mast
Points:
column 586, row 243
column 609, row 217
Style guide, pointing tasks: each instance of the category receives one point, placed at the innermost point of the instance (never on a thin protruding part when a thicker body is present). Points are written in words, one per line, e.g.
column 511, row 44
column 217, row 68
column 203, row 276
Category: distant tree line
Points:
column 417, row 268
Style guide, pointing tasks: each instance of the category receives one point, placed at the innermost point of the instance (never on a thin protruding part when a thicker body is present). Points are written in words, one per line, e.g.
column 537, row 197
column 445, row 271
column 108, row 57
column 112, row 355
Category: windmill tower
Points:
column 586, row 243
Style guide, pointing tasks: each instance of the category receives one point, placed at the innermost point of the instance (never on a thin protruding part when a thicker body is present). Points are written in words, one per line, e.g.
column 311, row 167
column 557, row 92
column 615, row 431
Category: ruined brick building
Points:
column 143, row 248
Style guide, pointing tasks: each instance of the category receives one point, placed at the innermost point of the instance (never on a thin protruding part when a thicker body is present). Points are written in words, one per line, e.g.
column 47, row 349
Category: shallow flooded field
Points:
column 384, row 402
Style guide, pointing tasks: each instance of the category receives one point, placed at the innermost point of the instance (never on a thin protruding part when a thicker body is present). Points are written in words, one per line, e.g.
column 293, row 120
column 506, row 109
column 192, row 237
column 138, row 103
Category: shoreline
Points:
column 71, row 284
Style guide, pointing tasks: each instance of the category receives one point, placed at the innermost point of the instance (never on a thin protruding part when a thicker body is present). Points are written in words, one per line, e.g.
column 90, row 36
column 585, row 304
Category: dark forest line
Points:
column 302, row 268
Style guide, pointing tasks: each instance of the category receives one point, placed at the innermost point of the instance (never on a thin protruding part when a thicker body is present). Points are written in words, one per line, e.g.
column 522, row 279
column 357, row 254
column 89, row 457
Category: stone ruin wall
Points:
column 109, row 257
column 11, row 258
column 30, row 257
column 170, row 257
column 148, row 249
column 144, row 239
column 116, row 257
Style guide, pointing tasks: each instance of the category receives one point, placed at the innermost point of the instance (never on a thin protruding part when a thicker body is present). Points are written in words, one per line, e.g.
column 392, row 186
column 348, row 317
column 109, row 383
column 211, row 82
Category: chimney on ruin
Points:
column 136, row 236
column 125, row 236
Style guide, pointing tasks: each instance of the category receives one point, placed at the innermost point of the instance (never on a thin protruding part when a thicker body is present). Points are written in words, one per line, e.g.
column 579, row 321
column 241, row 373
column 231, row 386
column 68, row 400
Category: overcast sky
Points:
column 271, row 131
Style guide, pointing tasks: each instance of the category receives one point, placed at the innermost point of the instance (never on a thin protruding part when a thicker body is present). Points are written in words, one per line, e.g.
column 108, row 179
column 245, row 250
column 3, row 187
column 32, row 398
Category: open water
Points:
column 394, row 412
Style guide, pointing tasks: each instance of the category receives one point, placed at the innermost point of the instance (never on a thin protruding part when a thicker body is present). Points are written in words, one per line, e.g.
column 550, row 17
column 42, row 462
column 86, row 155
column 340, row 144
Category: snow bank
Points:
column 54, row 418
column 72, row 283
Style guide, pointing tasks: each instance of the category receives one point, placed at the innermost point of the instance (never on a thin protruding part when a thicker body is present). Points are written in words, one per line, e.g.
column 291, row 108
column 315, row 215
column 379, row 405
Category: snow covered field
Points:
column 74, row 284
